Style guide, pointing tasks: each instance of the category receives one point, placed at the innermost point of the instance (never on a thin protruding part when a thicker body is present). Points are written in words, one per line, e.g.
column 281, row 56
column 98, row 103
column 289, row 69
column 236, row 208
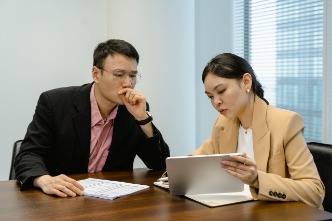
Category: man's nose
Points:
column 128, row 81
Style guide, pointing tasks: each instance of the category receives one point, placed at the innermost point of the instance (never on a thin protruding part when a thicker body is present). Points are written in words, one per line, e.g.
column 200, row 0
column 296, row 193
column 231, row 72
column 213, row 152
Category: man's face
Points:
column 118, row 72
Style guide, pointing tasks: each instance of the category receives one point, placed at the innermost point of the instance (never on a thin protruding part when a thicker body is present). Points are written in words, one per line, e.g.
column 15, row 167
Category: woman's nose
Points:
column 217, row 101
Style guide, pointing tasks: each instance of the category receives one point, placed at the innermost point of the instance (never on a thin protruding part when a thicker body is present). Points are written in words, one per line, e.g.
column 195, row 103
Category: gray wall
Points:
column 46, row 44
column 213, row 36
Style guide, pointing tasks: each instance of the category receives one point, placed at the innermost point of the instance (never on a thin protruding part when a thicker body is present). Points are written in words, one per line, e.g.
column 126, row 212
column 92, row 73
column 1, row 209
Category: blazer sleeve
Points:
column 154, row 150
column 302, row 181
column 209, row 146
column 29, row 162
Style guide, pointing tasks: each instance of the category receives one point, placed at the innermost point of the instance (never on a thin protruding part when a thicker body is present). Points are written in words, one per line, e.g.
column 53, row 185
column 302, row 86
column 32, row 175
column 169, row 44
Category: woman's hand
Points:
column 243, row 168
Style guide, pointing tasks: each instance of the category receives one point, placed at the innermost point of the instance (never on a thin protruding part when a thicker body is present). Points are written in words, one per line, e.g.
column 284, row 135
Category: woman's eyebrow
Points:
column 218, row 85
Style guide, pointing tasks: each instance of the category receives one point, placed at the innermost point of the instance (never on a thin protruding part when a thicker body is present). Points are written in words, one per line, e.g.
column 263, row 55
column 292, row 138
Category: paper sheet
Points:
column 108, row 189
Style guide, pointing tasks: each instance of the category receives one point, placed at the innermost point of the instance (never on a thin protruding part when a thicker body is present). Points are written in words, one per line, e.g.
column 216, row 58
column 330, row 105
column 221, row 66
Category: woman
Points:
column 277, row 164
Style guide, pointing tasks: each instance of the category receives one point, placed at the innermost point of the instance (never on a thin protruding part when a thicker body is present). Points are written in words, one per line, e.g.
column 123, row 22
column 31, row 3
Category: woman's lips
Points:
column 222, row 111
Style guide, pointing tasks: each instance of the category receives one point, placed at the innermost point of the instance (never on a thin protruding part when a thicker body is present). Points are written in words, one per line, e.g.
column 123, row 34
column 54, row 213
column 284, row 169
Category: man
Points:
column 94, row 127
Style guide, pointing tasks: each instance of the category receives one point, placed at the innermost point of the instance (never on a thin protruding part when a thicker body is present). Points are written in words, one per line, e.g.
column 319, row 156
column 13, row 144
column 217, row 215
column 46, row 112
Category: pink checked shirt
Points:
column 101, row 135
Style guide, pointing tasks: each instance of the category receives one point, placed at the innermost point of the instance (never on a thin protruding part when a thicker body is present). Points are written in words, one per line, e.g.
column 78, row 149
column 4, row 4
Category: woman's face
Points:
column 227, row 96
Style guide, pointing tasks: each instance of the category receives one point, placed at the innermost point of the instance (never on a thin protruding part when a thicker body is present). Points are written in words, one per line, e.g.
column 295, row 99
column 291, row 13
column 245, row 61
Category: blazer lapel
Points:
column 261, row 134
column 121, row 125
column 228, row 135
column 82, row 120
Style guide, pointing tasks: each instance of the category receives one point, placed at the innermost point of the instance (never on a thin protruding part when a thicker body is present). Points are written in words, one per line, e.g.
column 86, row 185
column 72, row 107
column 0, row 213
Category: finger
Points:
column 240, row 171
column 235, row 174
column 239, row 159
column 123, row 98
column 53, row 189
column 61, row 191
column 138, row 98
column 243, row 160
column 132, row 98
column 65, row 187
column 58, row 193
column 229, row 163
column 72, row 181
column 70, row 190
column 124, row 94
column 123, row 91
column 129, row 94
column 72, row 185
column 231, row 172
column 74, row 189
column 239, row 168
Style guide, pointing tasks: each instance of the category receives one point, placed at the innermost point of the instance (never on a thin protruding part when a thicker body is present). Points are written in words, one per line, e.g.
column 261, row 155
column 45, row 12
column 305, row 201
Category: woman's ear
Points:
column 247, row 81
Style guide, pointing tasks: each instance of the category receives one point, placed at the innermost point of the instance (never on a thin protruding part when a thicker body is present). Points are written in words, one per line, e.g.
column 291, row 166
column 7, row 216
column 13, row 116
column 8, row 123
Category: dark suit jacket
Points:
column 58, row 138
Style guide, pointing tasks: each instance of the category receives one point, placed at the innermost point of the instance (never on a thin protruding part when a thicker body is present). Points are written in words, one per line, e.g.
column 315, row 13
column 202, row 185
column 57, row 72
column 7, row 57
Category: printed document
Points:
column 108, row 189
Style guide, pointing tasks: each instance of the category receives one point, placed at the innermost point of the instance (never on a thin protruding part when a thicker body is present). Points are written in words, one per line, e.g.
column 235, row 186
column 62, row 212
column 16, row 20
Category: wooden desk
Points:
column 151, row 204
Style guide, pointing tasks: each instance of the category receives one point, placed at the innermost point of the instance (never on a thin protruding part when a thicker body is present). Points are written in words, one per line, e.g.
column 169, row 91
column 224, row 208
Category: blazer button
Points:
column 283, row 196
column 279, row 195
column 270, row 193
column 275, row 194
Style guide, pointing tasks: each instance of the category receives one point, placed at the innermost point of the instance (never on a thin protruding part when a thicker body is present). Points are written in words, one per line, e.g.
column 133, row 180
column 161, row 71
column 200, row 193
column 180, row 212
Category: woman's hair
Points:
column 231, row 66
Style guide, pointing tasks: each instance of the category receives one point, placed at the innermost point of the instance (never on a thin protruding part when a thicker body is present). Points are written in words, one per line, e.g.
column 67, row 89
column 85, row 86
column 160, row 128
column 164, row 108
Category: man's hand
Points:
column 61, row 185
column 135, row 102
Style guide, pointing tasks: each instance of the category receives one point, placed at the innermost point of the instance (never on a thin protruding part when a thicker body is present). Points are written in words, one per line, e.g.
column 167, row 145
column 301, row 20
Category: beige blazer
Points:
column 286, row 170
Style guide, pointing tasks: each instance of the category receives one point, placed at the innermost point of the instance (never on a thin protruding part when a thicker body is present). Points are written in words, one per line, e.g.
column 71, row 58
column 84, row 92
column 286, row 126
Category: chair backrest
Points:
column 322, row 154
column 16, row 149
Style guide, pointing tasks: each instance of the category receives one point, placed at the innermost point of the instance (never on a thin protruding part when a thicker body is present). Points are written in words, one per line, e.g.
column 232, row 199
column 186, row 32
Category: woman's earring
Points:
column 248, row 90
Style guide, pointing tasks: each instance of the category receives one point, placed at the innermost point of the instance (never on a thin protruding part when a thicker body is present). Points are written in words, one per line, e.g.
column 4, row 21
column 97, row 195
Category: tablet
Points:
column 201, row 174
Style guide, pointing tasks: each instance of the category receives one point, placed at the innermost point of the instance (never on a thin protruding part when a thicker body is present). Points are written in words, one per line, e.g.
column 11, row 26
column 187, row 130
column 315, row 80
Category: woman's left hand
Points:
column 243, row 168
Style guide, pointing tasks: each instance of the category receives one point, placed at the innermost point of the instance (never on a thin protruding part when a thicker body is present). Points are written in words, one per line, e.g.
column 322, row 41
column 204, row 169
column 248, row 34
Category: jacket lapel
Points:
column 119, row 131
column 229, row 131
column 228, row 135
column 82, row 119
column 261, row 134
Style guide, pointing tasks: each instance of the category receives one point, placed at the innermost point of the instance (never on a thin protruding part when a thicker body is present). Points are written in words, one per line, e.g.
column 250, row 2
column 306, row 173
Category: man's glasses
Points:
column 120, row 75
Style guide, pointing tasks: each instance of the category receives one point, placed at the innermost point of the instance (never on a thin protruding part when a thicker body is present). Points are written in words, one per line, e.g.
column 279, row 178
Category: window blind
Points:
column 284, row 42
column 328, row 69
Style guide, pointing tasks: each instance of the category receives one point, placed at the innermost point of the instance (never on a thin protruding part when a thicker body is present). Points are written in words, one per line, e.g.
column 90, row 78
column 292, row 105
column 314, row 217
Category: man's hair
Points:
column 111, row 47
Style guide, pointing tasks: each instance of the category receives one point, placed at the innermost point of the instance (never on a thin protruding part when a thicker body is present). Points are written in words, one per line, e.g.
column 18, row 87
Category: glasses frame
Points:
column 123, row 77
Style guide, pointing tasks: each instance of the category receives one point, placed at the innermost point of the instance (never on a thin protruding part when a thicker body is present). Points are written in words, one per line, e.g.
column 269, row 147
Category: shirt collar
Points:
column 95, row 113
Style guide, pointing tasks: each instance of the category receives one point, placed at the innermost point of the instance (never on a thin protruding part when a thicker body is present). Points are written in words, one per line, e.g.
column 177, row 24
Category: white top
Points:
column 244, row 142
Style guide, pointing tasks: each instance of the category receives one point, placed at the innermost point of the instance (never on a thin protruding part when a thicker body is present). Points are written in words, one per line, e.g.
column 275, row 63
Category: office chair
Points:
column 322, row 154
column 16, row 149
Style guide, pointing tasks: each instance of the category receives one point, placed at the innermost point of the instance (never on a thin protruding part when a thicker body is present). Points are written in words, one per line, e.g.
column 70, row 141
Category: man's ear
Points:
column 95, row 72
